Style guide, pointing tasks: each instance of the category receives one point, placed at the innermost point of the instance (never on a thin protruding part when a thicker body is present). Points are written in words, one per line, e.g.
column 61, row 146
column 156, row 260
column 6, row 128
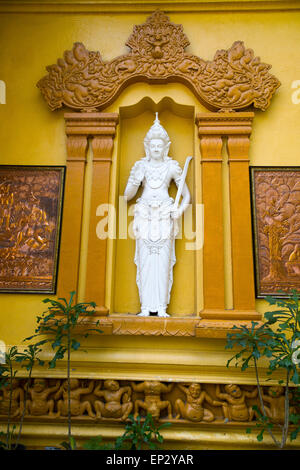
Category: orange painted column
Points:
column 241, row 231
column 77, row 144
column 236, row 128
column 102, row 145
column 213, row 249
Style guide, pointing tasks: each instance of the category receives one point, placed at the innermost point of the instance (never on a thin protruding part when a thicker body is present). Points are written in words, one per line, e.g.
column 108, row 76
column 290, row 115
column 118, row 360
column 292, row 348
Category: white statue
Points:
column 155, row 219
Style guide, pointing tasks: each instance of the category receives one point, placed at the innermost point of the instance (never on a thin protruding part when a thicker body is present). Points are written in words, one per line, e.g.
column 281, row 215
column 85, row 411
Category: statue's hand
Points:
column 176, row 213
column 137, row 173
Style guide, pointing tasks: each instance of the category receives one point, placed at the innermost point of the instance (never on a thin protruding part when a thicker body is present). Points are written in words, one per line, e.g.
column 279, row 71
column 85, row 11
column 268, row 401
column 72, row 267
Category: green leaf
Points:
column 260, row 436
column 75, row 345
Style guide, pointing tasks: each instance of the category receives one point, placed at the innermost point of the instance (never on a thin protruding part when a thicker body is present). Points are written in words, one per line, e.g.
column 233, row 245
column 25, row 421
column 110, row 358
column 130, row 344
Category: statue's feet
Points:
column 162, row 313
column 144, row 313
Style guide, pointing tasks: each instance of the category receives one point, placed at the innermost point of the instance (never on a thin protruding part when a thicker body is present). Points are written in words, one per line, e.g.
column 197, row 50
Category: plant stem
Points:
column 8, row 441
column 286, row 410
column 262, row 402
column 69, row 382
column 24, row 407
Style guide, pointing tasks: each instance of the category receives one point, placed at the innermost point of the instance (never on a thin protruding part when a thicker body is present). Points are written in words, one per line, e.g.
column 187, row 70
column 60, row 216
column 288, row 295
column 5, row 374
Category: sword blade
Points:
column 182, row 181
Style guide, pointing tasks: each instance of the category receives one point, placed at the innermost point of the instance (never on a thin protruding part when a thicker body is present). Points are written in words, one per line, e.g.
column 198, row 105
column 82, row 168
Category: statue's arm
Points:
column 135, row 178
column 137, row 387
column 186, row 197
column 251, row 394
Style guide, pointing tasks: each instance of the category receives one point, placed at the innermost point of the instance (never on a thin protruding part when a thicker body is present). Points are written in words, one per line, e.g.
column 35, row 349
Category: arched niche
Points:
column 135, row 121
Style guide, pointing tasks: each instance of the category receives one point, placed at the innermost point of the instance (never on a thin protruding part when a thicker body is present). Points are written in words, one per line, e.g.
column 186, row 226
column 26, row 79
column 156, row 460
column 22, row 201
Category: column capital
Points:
column 91, row 124
column 224, row 123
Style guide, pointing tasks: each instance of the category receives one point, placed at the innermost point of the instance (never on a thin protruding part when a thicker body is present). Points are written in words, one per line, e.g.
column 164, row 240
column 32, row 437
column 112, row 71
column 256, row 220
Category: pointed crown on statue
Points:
column 157, row 131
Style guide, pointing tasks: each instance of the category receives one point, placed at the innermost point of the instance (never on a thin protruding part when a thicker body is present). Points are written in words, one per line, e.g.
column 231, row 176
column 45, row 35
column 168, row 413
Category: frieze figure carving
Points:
column 78, row 408
column 193, row 409
column 275, row 408
column 115, row 400
column 152, row 403
column 235, row 407
column 39, row 404
column 12, row 398
column 234, row 79
column 112, row 394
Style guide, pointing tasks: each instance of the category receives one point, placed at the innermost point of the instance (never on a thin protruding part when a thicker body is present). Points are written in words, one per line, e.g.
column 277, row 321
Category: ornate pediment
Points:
column 235, row 79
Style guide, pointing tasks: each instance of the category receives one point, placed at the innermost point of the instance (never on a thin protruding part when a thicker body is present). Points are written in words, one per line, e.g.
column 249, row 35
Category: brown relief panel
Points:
column 114, row 400
column 30, row 213
column 276, row 221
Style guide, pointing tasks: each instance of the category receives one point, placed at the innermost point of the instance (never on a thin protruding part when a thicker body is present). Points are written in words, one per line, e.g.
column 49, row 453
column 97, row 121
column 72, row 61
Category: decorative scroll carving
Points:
column 30, row 208
column 234, row 79
column 276, row 199
column 113, row 400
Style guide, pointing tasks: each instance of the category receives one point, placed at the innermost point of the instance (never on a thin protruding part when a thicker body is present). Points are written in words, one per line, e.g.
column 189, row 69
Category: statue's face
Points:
column 195, row 390
column 234, row 390
column 112, row 385
column 276, row 391
column 39, row 385
column 156, row 149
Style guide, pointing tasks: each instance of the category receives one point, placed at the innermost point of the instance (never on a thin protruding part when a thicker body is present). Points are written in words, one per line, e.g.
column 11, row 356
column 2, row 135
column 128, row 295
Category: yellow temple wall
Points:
column 33, row 37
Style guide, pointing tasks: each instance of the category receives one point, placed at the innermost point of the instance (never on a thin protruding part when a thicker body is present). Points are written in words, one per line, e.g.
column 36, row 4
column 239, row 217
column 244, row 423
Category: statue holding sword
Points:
column 155, row 219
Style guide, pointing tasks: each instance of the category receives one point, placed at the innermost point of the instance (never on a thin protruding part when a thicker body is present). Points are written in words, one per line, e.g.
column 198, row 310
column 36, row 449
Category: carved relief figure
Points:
column 17, row 399
column 112, row 394
column 39, row 404
column 293, row 264
column 193, row 409
column 235, row 407
column 155, row 217
column 275, row 408
column 78, row 408
column 152, row 403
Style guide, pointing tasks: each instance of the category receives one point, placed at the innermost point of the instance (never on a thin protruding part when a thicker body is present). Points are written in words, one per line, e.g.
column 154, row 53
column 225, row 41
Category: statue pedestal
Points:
column 132, row 325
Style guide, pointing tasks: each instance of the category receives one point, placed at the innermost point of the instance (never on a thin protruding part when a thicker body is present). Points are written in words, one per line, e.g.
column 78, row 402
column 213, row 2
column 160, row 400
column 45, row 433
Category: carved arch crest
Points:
column 234, row 80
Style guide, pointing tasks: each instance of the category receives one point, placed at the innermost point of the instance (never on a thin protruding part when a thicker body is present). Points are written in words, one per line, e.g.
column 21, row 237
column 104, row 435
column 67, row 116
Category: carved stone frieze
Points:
column 234, row 79
column 114, row 400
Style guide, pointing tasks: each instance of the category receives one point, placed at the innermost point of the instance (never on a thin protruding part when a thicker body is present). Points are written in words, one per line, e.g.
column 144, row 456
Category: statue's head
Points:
column 233, row 390
column 157, row 141
column 276, row 391
column 195, row 390
column 111, row 385
column 39, row 384
column 74, row 383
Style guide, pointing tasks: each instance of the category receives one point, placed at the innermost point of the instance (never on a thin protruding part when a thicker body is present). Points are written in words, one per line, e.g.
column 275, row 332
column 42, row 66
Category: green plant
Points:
column 274, row 340
column 96, row 443
column 140, row 434
column 62, row 325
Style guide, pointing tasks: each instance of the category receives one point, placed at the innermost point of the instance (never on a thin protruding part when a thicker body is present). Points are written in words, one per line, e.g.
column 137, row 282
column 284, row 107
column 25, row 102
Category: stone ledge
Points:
column 211, row 325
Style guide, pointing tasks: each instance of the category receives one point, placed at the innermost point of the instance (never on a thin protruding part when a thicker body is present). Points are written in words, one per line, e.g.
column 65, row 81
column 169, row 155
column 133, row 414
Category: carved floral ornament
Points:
column 233, row 80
